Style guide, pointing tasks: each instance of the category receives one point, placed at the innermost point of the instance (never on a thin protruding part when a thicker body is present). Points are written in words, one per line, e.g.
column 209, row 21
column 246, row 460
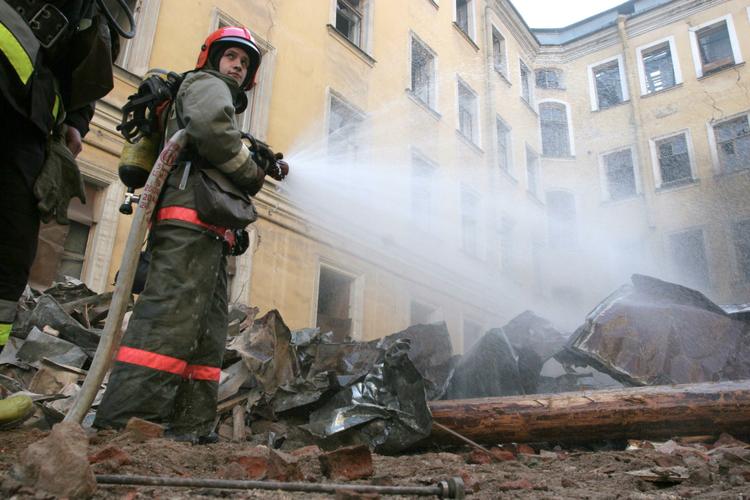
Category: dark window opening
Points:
column 555, row 135
column 620, row 174
column 334, row 303
column 741, row 233
column 608, row 84
column 733, row 142
column 658, row 68
column 349, row 20
column 674, row 160
column 715, row 47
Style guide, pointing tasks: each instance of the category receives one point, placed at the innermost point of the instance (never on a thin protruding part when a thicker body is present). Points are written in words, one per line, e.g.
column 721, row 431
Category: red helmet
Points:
column 230, row 36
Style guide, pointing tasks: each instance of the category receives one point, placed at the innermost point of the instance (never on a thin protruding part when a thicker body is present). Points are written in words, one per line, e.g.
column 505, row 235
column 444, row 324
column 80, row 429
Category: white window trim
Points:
column 367, row 24
column 332, row 94
column 713, row 146
column 135, row 54
column 477, row 140
column 434, row 80
column 733, row 41
column 568, row 116
column 356, row 296
column 675, row 62
column 606, row 196
column 592, row 82
column 504, row 69
column 655, row 156
column 532, row 99
column 471, row 8
column 510, row 169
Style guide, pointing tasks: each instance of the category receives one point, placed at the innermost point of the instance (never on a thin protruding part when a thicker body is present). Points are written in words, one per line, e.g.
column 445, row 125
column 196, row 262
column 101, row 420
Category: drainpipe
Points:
column 636, row 120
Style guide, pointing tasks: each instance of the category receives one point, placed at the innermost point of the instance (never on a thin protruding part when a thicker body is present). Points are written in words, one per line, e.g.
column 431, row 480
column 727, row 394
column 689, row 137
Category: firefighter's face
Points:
column 234, row 63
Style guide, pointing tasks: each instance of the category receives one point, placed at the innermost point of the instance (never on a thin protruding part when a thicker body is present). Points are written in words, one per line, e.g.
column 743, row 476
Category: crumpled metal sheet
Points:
column 387, row 408
column 39, row 346
column 431, row 351
column 534, row 340
column 49, row 312
column 490, row 368
column 557, row 376
column 655, row 332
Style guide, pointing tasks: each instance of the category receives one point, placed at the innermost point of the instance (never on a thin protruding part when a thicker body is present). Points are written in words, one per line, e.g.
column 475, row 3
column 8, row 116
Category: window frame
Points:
column 356, row 295
column 424, row 221
column 642, row 67
column 537, row 173
column 499, row 122
column 714, row 144
column 470, row 21
column 557, row 71
column 658, row 180
column 593, row 94
column 503, row 68
column 475, row 138
column 360, row 115
column 569, row 124
column 529, row 84
column 366, row 28
column 743, row 275
column 135, row 54
column 733, row 43
column 677, row 273
column 604, row 177
column 432, row 103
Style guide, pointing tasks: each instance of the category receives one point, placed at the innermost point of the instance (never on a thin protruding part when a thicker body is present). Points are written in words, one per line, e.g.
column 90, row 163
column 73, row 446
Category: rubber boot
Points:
column 14, row 410
column 5, row 329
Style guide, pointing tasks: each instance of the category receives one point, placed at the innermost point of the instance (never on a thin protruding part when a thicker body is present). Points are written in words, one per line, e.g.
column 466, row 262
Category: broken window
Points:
column 548, row 78
column 343, row 130
column 532, row 172
column 741, row 236
column 733, row 144
column 714, row 47
column 658, row 68
column 469, row 222
column 525, row 82
column 689, row 258
column 334, row 302
column 503, row 146
column 467, row 113
column 674, row 160
column 349, row 14
column 553, row 118
column 423, row 173
column 421, row 314
column 464, row 15
column 422, row 73
column 608, row 84
column 620, row 174
column 472, row 333
column 498, row 51
column 561, row 219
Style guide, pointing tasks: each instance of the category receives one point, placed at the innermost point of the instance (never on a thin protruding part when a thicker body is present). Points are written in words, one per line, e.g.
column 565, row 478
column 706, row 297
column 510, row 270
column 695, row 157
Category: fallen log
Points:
column 656, row 412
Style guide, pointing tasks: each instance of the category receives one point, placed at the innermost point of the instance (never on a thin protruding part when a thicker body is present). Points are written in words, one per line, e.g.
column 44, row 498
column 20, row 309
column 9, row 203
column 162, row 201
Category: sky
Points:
column 559, row 13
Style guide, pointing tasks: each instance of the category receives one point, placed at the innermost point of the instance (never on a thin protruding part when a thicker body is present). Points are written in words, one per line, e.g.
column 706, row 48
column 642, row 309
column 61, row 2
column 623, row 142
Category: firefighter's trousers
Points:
column 168, row 366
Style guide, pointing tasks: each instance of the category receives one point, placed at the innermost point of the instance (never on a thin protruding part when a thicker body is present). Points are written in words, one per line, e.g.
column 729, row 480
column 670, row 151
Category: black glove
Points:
column 241, row 242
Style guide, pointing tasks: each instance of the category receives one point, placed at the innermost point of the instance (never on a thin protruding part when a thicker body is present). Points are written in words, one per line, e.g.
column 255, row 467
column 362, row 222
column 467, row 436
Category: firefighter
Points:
column 167, row 368
column 55, row 62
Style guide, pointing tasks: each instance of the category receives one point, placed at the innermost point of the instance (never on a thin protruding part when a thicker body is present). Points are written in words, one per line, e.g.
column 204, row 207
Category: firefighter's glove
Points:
column 58, row 182
column 241, row 242
column 279, row 169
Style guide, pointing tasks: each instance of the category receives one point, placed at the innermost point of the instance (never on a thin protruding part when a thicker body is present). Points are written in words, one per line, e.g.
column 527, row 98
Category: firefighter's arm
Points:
column 207, row 113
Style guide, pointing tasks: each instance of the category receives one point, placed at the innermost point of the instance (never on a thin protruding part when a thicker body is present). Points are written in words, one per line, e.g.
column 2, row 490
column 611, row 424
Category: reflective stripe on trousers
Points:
column 168, row 364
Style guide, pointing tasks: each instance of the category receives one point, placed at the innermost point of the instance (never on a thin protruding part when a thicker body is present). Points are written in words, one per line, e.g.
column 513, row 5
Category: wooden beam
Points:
column 657, row 412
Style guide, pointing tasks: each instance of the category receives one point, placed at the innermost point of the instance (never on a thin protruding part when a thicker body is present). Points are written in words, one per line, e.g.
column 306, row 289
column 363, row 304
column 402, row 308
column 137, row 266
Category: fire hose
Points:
column 111, row 335
column 449, row 488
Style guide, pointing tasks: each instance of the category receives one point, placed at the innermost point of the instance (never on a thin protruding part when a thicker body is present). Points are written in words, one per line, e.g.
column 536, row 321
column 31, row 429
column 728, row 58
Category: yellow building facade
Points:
column 455, row 164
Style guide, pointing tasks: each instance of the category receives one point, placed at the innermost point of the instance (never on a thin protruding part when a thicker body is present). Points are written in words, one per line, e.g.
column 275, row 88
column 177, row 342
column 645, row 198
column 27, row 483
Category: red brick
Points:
column 306, row 451
column 352, row 462
column 112, row 454
column 233, row 470
column 283, row 467
column 471, row 484
column 254, row 460
column 520, row 484
column 479, row 457
column 352, row 495
column 502, row 455
column 525, row 449
column 142, row 430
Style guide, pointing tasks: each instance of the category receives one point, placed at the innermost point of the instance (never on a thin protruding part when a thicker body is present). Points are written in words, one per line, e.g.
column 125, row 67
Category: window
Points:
column 472, row 333
column 658, row 68
column 525, row 82
column 498, row 52
column 673, row 160
column 421, row 314
column 549, row 78
column 334, row 303
column 561, row 219
column 532, row 172
column 349, row 15
column 741, row 236
column 465, row 16
column 553, row 118
column 733, row 144
column 607, row 84
column 469, row 222
column 344, row 125
column 689, row 258
column 619, row 175
column 423, row 73
column 715, row 46
column 503, row 145
column 135, row 53
column 468, row 113
column 423, row 178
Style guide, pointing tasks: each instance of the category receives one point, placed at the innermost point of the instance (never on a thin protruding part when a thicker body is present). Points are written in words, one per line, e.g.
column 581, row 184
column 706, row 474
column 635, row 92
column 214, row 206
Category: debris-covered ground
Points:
column 303, row 406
